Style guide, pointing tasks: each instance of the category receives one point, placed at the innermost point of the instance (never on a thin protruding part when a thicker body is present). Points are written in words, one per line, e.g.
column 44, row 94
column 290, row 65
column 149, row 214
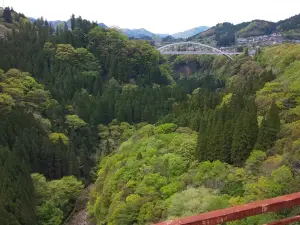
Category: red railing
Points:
column 241, row 212
column 285, row 221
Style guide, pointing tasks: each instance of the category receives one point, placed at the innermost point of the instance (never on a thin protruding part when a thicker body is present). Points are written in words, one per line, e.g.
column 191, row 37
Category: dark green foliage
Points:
column 229, row 133
column 245, row 134
column 269, row 128
column 17, row 197
column 7, row 15
column 225, row 34
column 289, row 24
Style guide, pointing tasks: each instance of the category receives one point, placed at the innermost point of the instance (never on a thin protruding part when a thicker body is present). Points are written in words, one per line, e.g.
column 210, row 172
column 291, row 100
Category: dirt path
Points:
column 80, row 214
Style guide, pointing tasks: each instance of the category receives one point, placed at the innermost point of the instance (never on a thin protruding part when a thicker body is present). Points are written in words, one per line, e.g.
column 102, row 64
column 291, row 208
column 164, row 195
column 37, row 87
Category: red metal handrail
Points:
column 285, row 221
column 239, row 212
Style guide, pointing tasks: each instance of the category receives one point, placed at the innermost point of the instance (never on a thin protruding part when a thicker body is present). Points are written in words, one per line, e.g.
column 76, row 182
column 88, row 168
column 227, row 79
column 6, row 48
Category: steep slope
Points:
column 153, row 177
column 56, row 138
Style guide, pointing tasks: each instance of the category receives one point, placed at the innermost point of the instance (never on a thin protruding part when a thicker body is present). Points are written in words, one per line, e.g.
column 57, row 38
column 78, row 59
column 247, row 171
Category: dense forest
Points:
column 161, row 137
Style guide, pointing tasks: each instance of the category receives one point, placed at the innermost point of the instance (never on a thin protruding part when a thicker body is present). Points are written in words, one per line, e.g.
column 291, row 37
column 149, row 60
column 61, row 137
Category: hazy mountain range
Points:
column 289, row 28
column 141, row 32
column 191, row 32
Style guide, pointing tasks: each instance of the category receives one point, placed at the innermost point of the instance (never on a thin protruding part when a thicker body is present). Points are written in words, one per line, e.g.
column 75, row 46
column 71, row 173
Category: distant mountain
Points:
column 32, row 20
column 102, row 25
column 163, row 35
column 137, row 33
column 142, row 33
column 191, row 32
column 222, row 34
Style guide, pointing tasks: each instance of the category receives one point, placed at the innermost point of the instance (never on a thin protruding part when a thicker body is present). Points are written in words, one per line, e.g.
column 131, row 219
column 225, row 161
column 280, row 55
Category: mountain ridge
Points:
column 190, row 32
column 138, row 32
column 225, row 34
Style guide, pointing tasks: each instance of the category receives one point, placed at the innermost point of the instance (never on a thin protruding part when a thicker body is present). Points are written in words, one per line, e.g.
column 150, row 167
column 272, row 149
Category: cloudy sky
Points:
column 159, row 16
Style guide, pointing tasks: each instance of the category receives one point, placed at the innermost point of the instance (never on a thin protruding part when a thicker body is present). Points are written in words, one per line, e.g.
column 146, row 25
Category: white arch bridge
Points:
column 193, row 48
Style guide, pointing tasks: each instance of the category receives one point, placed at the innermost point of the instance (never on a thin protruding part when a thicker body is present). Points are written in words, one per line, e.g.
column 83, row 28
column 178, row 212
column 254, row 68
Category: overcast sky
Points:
column 159, row 16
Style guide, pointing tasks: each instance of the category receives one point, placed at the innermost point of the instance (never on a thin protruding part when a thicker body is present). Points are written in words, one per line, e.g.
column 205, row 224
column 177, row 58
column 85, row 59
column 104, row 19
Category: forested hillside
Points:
column 160, row 137
column 225, row 34
column 246, row 148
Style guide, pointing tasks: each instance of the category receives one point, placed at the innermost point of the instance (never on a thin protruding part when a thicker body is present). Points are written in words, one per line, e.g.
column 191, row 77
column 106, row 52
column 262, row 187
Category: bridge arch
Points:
column 161, row 49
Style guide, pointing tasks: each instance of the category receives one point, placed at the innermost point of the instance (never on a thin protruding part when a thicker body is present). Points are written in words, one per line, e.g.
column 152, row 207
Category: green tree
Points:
column 245, row 134
column 269, row 128
column 17, row 191
column 72, row 22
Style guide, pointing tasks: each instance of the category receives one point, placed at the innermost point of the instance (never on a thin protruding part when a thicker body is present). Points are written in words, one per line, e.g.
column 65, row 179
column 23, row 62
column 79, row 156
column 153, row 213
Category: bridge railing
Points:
column 242, row 211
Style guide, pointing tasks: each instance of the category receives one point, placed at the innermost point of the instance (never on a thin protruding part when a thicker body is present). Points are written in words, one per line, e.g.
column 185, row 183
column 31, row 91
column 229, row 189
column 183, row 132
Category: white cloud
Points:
column 160, row 16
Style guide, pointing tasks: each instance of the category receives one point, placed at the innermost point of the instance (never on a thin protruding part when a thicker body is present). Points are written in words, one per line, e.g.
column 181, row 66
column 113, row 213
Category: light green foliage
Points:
column 41, row 187
column 55, row 198
column 259, row 219
column 6, row 103
column 284, row 60
column 65, row 52
column 194, row 201
column 234, row 185
column 113, row 135
column 55, row 137
column 212, row 174
column 48, row 214
column 171, row 188
column 165, row 128
column 176, row 164
column 146, row 166
column 152, row 212
column 280, row 182
column 19, row 88
column 184, row 130
column 226, row 99
column 254, row 162
column 159, row 180
column 74, row 122
column 64, row 190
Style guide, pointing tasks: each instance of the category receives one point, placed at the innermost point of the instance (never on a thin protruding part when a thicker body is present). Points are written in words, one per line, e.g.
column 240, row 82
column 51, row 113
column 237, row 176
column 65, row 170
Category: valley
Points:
column 100, row 128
